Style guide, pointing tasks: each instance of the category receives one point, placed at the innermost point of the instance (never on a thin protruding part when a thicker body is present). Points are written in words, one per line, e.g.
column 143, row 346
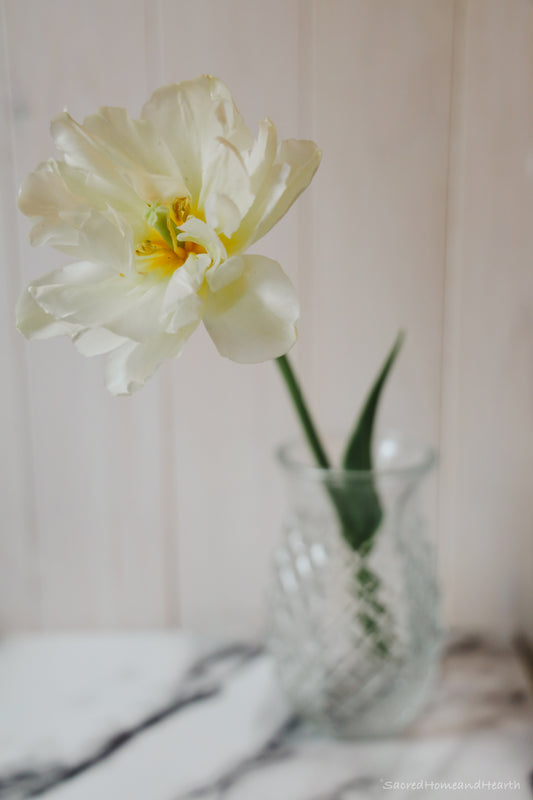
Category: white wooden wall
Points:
column 163, row 508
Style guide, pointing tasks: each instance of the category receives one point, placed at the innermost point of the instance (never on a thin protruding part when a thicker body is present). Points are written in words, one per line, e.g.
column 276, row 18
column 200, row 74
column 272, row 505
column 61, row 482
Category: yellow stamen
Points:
column 164, row 252
column 157, row 255
column 172, row 230
column 180, row 210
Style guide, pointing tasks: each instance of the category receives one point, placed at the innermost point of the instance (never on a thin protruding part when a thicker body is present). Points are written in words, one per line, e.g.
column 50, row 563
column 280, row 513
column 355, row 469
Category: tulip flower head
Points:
column 158, row 214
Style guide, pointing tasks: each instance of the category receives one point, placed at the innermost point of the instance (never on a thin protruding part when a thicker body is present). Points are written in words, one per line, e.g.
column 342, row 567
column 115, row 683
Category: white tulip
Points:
column 159, row 213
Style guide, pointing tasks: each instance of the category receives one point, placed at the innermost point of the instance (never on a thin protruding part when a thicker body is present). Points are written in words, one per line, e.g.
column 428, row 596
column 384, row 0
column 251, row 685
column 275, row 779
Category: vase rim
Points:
column 402, row 456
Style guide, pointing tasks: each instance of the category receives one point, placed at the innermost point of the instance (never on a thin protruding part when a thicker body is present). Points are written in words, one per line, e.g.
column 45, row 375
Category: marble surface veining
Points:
column 170, row 716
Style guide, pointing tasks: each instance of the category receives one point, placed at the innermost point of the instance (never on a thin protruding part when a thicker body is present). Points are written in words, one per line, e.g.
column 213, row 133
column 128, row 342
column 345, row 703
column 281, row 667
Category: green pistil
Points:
column 157, row 218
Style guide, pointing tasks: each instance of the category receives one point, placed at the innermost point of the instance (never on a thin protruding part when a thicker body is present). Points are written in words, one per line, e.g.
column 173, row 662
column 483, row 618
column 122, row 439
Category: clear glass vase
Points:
column 355, row 632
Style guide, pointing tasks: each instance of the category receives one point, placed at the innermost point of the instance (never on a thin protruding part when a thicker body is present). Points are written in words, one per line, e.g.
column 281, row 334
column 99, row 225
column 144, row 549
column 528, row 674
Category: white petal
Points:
column 182, row 305
column 261, row 155
column 225, row 173
column 92, row 236
column 195, row 230
column 138, row 154
column 157, row 188
column 290, row 173
column 123, row 152
column 34, row 323
column 254, row 318
column 222, row 214
column 69, row 223
column 133, row 145
column 189, row 117
column 44, row 193
column 88, row 296
column 97, row 342
column 98, row 192
column 129, row 367
column 83, row 292
column 196, row 266
column 218, row 277
column 82, row 152
column 58, row 233
column 187, row 311
column 81, row 272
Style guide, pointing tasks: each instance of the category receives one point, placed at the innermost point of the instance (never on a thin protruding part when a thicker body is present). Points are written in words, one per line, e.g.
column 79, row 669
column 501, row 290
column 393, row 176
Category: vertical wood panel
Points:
column 96, row 458
column 383, row 87
column 228, row 416
column 19, row 554
column 489, row 338
column 383, row 80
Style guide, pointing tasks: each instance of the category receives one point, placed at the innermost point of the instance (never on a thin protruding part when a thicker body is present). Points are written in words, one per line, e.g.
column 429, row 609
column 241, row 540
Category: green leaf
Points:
column 358, row 453
column 361, row 512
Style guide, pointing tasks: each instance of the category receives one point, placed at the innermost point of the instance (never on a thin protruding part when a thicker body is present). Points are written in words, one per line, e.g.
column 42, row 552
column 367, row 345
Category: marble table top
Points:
column 170, row 716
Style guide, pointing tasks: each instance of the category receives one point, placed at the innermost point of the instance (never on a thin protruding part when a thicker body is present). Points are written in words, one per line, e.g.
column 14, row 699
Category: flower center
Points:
column 162, row 251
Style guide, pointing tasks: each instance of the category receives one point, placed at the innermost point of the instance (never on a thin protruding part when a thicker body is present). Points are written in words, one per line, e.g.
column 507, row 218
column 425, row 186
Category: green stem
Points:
column 336, row 492
column 308, row 426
